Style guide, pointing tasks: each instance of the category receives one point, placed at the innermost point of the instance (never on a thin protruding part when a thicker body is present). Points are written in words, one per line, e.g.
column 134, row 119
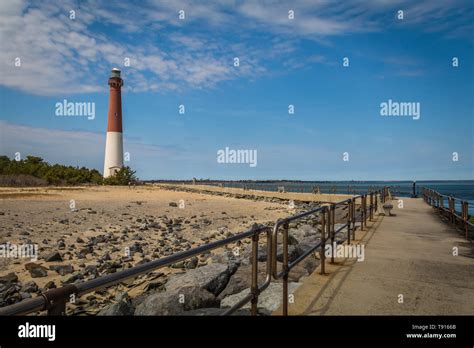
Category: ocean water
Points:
column 460, row 189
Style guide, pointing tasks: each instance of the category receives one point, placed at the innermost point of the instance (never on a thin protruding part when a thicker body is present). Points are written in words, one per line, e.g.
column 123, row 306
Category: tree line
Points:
column 58, row 174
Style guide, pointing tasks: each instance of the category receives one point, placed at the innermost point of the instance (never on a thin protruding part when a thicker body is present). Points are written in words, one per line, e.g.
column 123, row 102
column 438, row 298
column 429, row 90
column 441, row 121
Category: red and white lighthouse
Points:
column 114, row 141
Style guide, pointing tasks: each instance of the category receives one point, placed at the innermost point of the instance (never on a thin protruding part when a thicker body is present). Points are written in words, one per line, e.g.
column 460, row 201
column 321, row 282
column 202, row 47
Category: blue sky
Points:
column 282, row 62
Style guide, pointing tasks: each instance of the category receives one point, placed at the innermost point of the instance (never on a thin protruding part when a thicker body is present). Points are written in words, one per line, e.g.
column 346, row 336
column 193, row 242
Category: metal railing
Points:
column 54, row 301
column 328, row 230
column 437, row 201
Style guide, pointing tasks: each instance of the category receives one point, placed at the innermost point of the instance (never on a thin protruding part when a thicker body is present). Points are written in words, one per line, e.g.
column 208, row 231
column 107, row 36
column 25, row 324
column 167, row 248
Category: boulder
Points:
column 292, row 253
column 306, row 244
column 213, row 278
column 123, row 307
column 176, row 301
column 303, row 269
column 228, row 258
column 268, row 301
column 242, row 279
column 117, row 309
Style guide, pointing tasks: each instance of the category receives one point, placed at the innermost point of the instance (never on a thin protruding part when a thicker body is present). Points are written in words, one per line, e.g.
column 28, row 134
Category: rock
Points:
column 310, row 264
column 242, row 279
column 192, row 263
column 176, row 301
column 179, row 264
column 227, row 258
column 29, row 286
column 25, row 295
column 246, row 254
column 62, row 269
column 91, row 269
column 50, row 285
column 213, row 312
column 54, row 256
column 36, row 271
column 306, row 244
column 268, row 301
column 292, row 253
column 123, row 307
column 136, row 248
column 212, row 277
column 303, row 269
column 173, row 204
column 8, row 279
column 72, row 278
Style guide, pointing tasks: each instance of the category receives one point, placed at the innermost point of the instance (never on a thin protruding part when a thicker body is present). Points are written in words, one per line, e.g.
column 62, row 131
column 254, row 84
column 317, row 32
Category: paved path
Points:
column 410, row 254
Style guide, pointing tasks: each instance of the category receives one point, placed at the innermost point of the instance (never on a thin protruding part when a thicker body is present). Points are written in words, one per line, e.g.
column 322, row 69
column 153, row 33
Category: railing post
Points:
column 332, row 227
column 465, row 216
column 56, row 299
column 285, row 269
column 323, row 241
column 376, row 202
column 254, row 283
column 349, row 221
column 353, row 218
column 451, row 209
column 371, row 211
column 362, row 212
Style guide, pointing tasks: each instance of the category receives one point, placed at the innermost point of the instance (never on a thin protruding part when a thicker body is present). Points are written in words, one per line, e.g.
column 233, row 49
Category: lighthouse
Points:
column 114, row 142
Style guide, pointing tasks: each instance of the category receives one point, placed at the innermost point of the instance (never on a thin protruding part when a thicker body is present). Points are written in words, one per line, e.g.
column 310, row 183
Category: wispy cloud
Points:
column 60, row 55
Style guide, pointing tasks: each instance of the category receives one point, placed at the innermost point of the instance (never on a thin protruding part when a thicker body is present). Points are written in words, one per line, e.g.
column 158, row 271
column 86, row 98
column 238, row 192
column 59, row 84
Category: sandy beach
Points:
column 98, row 230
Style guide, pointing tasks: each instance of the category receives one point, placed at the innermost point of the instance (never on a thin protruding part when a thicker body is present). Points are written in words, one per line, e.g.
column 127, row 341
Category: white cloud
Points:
column 63, row 56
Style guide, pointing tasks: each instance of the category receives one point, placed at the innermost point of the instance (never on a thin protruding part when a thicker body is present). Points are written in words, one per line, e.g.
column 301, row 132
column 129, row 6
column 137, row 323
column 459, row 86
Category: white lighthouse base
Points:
column 113, row 153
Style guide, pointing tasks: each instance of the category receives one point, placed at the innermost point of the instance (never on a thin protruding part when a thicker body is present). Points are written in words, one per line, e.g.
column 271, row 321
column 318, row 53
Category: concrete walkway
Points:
column 410, row 254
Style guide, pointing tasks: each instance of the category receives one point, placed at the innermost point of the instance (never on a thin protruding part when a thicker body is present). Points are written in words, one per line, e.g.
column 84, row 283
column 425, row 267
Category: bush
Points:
column 55, row 174
column 124, row 176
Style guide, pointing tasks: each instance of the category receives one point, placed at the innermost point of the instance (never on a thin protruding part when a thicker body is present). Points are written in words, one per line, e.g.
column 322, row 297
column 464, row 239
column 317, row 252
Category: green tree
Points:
column 122, row 177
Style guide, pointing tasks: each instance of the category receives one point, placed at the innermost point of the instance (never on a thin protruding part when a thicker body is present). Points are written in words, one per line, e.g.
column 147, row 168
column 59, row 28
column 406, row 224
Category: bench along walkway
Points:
column 407, row 255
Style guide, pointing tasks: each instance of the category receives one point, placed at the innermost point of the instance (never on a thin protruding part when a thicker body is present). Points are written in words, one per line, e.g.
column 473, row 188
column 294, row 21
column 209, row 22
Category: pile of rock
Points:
column 12, row 291
column 222, row 282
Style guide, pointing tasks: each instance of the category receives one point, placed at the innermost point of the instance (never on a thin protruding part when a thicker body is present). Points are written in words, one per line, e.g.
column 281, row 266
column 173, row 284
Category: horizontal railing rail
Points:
column 54, row 301
column 437, row 201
